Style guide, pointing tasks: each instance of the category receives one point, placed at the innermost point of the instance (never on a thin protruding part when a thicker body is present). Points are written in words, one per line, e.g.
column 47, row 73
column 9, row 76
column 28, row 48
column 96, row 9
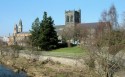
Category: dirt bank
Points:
column 46, row 68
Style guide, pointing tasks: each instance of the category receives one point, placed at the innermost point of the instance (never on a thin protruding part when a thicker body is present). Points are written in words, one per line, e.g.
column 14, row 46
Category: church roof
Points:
column 24, row 33
column 95, row 25
column 90, row 25
column 59, row 26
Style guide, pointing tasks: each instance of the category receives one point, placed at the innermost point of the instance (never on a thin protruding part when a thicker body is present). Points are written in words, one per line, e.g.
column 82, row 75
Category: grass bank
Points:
column 71, row 52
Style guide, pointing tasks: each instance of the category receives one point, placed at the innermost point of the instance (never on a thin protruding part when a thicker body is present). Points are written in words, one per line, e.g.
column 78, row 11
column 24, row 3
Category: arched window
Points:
column 71, row 18
column 67, row 18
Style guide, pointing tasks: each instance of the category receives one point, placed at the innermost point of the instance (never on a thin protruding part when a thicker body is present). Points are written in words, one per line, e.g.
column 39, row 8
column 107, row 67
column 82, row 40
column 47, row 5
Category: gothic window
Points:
column 67, row 18
column 77, row 17
column 71, row 18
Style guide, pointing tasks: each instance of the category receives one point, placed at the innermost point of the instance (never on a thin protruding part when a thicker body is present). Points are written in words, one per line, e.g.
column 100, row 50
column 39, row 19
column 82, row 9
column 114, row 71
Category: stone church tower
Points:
column 72, row 17
column 20, row 26
column 15, row 30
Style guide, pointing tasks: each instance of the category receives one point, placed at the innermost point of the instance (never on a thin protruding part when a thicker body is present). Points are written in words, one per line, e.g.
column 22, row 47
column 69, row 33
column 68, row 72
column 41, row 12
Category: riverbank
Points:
column 6, row 72
column 48, row 66
column 36, row 68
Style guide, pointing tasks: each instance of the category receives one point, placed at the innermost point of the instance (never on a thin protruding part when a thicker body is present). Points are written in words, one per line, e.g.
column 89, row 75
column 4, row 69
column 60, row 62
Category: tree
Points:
column 104, row 54
column 123, row 20
column 112, row 14
column 67, row 34
column 82, row 33
column 48, row 37
column 35, row 32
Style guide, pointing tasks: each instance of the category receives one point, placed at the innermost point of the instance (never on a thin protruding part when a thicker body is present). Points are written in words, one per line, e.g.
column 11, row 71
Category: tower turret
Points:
column 20, row 26
column 15, row 30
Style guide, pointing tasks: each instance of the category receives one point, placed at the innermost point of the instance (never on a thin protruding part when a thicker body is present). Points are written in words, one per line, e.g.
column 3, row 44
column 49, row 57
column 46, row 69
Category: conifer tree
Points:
column 35, row 32
column 48, row 37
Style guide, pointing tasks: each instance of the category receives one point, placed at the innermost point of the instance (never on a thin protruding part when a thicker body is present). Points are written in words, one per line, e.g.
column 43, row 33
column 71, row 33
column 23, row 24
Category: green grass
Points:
column 71, row 52
column 75, row 49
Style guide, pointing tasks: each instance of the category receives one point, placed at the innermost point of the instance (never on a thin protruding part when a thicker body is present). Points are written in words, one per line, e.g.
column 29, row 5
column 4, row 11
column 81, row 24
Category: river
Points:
column 6, row 72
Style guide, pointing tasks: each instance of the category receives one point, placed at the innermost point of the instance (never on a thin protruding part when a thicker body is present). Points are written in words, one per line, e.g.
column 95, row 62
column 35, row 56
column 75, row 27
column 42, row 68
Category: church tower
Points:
column 15, row 30
column 20, row 26
column 72, row 17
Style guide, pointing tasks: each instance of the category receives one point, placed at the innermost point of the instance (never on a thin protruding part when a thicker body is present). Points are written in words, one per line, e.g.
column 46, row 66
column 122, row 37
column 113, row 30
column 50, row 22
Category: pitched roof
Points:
column 95, row 25
column 24, row 33
column 59, row 26
column 89, row 25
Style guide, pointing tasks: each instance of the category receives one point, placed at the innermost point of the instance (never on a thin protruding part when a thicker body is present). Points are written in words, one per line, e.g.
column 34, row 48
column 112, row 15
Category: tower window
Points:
column 77, row 19
column 71, row 18
column 67, row 18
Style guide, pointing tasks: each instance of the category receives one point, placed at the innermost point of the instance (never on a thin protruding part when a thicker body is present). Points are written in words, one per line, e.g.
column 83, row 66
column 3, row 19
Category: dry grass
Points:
column 46, row 68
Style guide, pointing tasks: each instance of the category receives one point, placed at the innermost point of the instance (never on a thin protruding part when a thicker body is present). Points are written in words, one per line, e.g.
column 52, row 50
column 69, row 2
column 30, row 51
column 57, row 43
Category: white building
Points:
column 5, row 39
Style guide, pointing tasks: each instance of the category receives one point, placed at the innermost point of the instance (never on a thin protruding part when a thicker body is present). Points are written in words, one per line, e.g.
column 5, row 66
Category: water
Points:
column 5, row 72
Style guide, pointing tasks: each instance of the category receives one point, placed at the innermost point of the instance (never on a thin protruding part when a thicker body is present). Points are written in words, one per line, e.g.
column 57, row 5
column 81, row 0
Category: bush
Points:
column 62, row 45
column 17, row 47
column 90, row 62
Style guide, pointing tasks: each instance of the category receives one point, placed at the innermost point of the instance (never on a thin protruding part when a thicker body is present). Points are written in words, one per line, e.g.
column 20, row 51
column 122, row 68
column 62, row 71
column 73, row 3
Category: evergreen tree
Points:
column 35, row 32
column 48, row 37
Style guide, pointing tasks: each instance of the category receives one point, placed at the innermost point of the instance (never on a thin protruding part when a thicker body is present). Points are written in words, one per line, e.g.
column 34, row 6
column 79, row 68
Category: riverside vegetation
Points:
column 46, row 68
column 35, row 68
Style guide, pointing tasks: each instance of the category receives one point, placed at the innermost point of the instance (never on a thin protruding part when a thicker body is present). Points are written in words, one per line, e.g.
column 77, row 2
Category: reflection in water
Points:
column 5, row 72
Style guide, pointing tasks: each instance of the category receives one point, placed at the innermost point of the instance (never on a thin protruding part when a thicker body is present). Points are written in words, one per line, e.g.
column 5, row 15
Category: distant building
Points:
column 5, row 39
column 72, row 17
column 73, row 20
column 19, row 37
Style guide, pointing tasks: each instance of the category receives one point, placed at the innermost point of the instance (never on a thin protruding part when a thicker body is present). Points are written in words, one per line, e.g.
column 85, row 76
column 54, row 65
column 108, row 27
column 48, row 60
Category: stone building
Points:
column 72, row 17
column 73, row 21
column 19, row 37
column 72, row 24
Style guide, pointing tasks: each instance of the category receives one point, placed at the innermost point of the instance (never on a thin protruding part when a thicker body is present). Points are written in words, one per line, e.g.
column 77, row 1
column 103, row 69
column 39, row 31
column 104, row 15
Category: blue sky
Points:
column 11, row 11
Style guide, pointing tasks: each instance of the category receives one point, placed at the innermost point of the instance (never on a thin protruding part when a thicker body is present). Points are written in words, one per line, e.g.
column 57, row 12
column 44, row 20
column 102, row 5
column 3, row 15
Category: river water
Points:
column 6, row 72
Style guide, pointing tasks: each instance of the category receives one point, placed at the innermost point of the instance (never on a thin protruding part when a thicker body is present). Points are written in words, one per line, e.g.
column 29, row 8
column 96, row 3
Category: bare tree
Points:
column 74, row 34
column 68, row 34
column 108, row 43
column 123, row 20
column 112, row 15
column 82, row 33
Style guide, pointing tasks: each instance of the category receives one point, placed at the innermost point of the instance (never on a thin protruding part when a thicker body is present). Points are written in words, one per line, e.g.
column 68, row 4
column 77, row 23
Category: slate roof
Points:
column 24, row 33
column 90, row 25
column 93, row 25
column 59, row 26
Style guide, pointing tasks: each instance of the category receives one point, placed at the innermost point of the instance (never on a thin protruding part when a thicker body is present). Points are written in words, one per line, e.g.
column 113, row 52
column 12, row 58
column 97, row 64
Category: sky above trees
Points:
column 28, row 10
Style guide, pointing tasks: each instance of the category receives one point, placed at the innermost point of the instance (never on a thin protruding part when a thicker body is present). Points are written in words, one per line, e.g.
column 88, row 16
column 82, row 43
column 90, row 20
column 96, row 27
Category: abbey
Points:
column 19, row 37
column 18, row 29
column 72, row 24
column 74, row 27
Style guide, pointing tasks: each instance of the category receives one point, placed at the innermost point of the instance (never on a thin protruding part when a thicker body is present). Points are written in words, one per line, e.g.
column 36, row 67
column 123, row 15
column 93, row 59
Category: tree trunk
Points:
column 68, row 43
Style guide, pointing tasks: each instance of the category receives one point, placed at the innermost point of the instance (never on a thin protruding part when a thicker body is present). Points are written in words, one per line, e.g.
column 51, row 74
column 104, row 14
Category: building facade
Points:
column 19, row 37
column 72, row 17
column 73, row 24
